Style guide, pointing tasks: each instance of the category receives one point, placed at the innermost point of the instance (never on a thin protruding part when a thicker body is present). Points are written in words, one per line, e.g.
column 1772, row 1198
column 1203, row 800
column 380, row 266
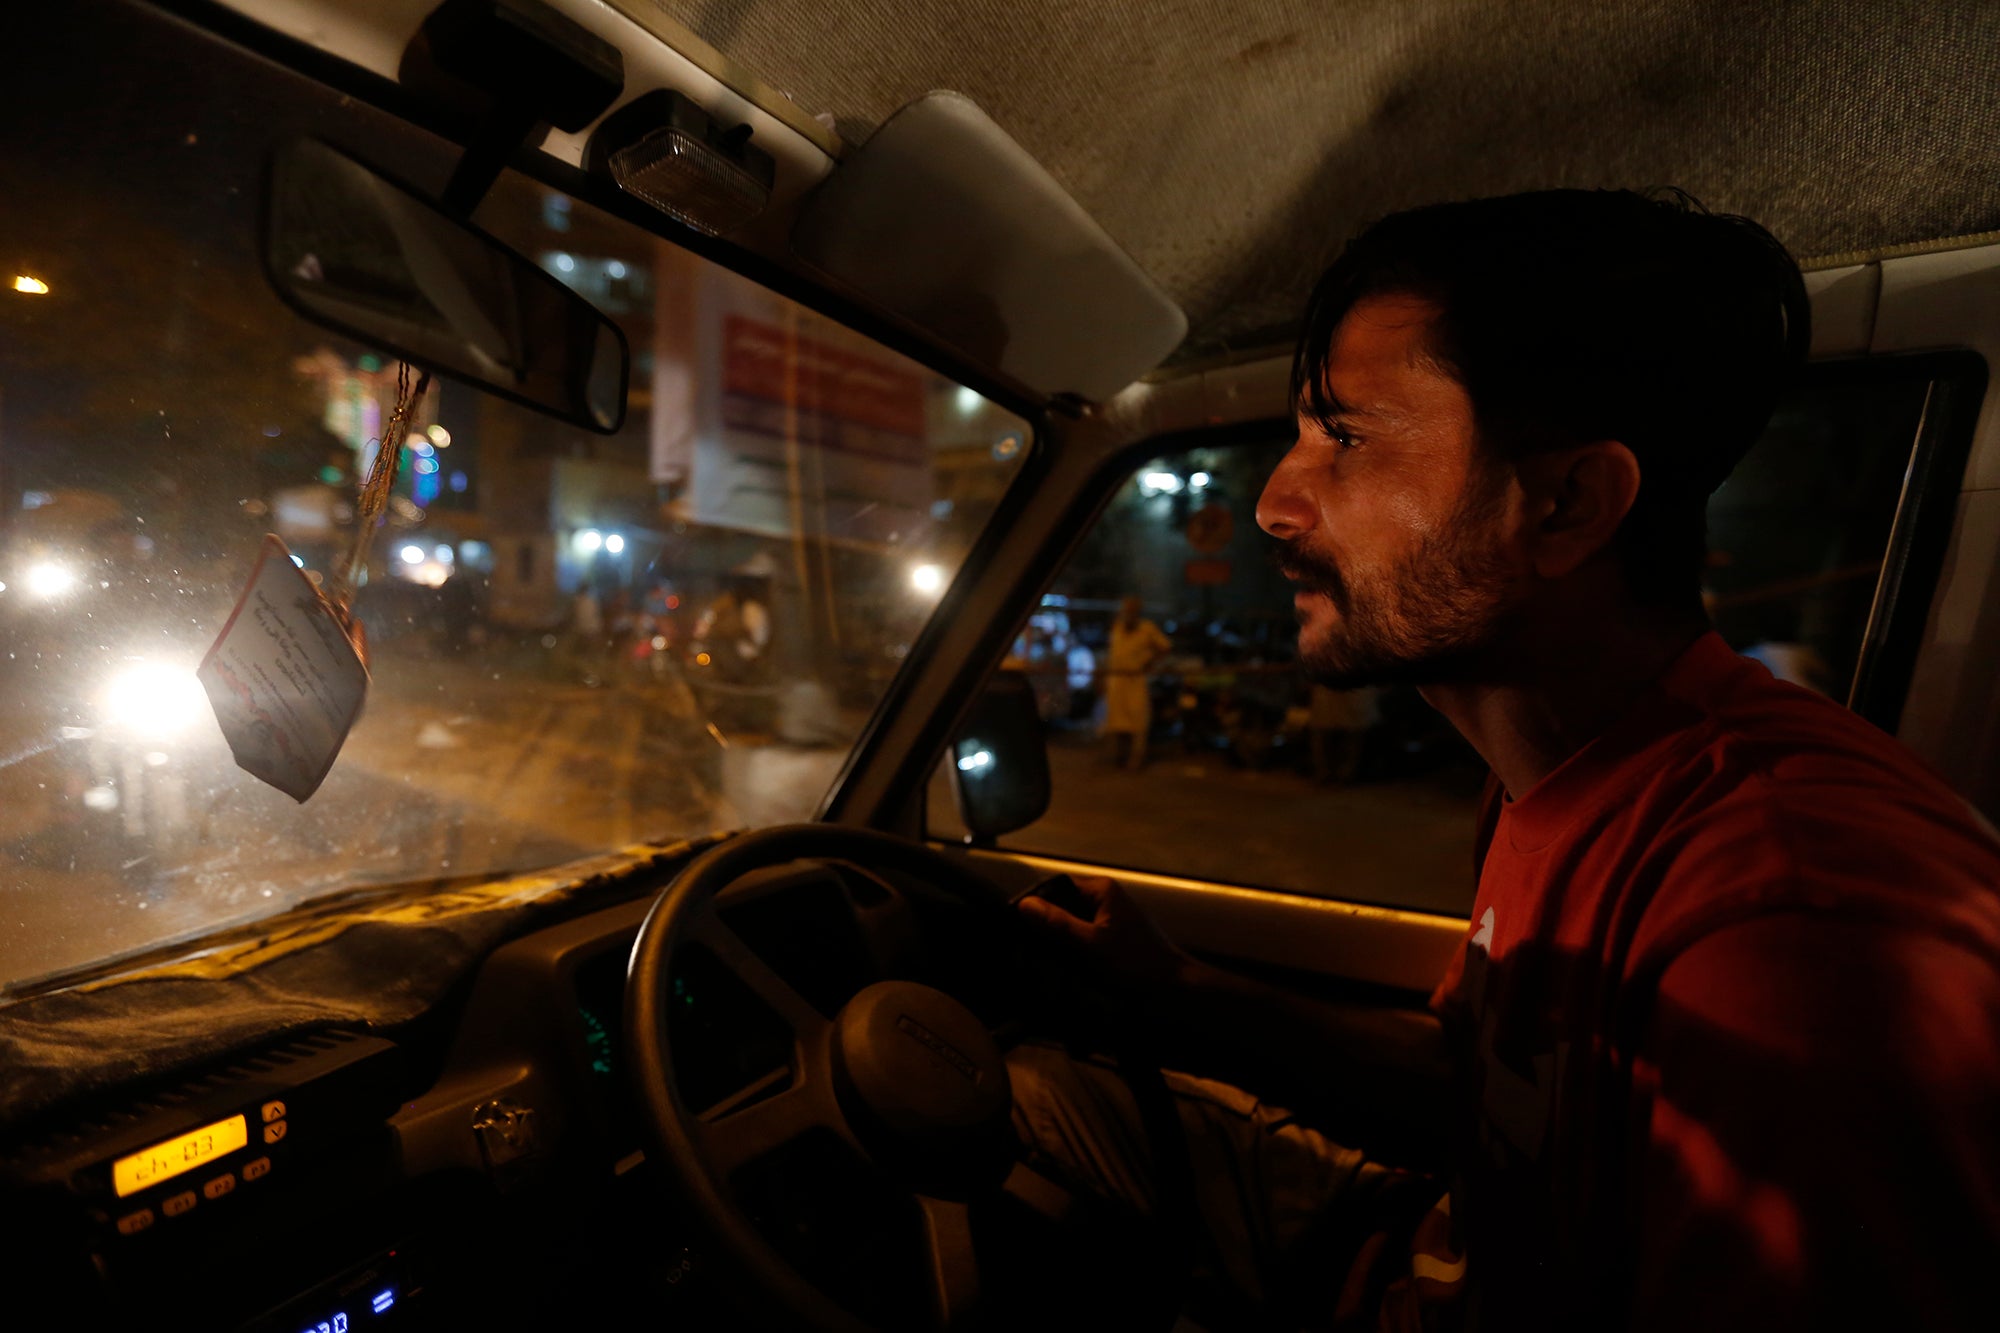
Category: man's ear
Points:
column 1584, row 493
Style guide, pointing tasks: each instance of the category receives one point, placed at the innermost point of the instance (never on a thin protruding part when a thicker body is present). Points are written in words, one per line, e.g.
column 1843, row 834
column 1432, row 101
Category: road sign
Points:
column 1207, row 573
column 1210, row 527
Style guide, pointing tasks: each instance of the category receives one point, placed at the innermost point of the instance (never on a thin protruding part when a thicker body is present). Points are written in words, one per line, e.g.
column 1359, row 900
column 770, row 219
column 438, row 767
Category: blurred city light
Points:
column 972, row 763
column 589, row 540
column 155, row 700
column 615, row 269
column 1159, row 483
column 413, row 555
column 439, row 437
column 565, row 263
column 32, row 286
column 49, row 580
column 968, row 401
column 927, row 579
column 614, row 543
column 1199, row 481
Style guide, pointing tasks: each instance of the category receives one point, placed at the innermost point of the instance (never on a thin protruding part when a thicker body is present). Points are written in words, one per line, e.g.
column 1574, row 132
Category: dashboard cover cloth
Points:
column 373, row 964
column 1231, row 146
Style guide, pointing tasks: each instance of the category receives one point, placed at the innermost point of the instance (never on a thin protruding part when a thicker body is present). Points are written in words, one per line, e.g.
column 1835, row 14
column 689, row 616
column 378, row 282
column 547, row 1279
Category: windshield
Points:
column 577, row 642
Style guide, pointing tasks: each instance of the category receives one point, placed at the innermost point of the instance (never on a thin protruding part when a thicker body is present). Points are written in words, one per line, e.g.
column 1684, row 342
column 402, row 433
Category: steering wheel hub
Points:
column 919, row 1077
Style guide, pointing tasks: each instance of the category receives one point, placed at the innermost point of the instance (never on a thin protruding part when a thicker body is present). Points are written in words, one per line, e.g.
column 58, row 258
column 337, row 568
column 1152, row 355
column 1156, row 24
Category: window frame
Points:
column 1920, row 532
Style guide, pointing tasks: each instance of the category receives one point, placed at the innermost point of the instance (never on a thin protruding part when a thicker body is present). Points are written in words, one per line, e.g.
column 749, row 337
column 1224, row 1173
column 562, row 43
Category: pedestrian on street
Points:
column 1137, row 646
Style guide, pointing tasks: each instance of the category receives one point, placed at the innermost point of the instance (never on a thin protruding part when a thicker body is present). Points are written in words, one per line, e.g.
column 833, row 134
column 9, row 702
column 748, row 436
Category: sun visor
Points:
column 943, row 219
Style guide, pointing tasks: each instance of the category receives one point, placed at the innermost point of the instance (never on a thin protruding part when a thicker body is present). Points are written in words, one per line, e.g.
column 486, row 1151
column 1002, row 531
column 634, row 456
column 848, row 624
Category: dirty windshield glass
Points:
column 578, row 642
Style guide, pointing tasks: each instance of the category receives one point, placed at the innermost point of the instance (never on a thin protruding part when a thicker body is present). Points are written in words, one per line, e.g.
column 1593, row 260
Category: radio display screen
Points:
column 184, row 1152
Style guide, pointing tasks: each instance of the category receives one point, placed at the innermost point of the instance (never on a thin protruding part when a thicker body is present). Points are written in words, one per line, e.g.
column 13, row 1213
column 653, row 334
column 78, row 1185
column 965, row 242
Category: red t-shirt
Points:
column 1728, row 1023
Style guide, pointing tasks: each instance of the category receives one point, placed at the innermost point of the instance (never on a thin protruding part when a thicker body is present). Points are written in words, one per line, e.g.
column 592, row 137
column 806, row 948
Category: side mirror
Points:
column 1000, row 761
column 354, row 251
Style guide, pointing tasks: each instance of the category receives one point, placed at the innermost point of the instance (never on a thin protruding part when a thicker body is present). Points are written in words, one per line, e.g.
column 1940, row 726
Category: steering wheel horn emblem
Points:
column 954, row 1058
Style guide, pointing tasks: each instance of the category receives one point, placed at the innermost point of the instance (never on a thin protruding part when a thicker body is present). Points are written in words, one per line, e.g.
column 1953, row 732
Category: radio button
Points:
column 220, row 1186
column 274, row 1131
column 273, row 1111
column 255, row 1170
column 133, row 1223
column 179, row 1204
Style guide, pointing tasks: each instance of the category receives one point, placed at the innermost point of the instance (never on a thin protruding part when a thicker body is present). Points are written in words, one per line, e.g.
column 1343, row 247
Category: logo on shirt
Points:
column 1483, row 937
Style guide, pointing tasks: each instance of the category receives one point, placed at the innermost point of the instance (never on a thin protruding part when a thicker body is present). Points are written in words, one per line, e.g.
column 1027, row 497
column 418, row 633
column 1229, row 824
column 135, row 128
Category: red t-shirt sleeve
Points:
column 1822, row 1146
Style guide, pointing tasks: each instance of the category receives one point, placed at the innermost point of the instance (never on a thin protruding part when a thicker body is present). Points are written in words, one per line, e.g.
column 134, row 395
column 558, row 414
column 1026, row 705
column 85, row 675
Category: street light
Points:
column 31, row 286
column 49, row 580
column 614, row 543
column 155, row 700
column 413, row 555
column 927, row 579
column 589, row 541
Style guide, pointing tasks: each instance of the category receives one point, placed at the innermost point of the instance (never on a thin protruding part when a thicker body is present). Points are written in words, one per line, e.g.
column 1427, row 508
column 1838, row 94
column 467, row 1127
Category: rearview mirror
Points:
column 354, row 251
column 1000, row 761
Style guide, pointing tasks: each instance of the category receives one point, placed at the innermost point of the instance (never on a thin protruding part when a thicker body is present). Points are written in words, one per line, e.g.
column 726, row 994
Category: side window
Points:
column 1184, row 740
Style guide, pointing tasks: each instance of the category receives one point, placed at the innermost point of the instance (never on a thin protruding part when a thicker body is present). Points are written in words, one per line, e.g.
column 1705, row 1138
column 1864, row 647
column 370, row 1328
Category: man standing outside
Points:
column 1722, row 1047
column 1137, row 646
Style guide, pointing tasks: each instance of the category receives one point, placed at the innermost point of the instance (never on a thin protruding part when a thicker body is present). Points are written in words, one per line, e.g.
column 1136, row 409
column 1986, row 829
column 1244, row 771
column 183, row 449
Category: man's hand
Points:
column 1118, row 939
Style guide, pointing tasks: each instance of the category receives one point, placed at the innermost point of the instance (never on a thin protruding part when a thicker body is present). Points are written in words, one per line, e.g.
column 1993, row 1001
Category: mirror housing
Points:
column 365, row 256
column 1000, row 761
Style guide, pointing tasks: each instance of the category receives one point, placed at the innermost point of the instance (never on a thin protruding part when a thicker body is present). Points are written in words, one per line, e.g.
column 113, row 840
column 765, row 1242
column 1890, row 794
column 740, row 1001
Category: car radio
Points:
column 154, row 1166
column 270, row 1145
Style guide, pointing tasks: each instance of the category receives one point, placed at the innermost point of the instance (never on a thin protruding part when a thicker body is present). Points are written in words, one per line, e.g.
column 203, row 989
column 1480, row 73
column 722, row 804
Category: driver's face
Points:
column 1394, row 528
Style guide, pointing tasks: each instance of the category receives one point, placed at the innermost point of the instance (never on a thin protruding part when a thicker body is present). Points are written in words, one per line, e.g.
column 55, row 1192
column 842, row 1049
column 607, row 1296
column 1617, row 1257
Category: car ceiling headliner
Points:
column 1231, row 146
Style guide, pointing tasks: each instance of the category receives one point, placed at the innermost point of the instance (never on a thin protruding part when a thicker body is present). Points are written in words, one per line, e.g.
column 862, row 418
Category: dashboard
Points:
column 486, row 1165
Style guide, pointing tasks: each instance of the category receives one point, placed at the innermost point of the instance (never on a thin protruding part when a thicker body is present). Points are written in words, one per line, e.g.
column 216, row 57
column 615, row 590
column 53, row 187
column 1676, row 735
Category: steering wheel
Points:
column 905, row 1077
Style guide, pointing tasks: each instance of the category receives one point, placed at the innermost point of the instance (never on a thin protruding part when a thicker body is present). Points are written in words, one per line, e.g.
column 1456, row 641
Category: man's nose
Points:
column 1284, row 509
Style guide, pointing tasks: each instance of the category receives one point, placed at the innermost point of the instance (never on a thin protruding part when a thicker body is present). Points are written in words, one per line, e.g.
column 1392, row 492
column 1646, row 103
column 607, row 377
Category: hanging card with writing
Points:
column 284, row 678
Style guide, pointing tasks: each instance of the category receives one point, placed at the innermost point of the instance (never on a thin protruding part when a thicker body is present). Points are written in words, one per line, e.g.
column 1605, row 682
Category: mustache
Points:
column 1311, row 570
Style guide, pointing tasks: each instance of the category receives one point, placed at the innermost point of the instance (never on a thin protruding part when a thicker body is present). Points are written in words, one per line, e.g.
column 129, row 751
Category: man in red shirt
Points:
column 1724, row 1038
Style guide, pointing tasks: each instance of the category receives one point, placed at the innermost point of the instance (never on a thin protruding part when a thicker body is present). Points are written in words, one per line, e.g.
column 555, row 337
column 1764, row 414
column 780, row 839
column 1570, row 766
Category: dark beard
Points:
column 1424, row 622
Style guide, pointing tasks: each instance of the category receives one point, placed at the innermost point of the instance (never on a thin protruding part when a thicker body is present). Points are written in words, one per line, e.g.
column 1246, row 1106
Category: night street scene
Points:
column 963, row 666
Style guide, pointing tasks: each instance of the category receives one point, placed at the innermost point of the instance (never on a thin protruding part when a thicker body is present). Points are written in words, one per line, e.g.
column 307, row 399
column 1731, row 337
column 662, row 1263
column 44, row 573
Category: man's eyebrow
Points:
column 1327, row 404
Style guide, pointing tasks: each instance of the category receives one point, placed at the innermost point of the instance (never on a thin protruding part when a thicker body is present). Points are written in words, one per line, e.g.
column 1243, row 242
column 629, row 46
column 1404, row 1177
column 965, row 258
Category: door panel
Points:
column 1336, row 941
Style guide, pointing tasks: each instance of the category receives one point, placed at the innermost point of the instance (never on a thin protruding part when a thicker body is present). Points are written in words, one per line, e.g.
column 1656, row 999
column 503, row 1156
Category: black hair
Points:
column 1579, row 315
